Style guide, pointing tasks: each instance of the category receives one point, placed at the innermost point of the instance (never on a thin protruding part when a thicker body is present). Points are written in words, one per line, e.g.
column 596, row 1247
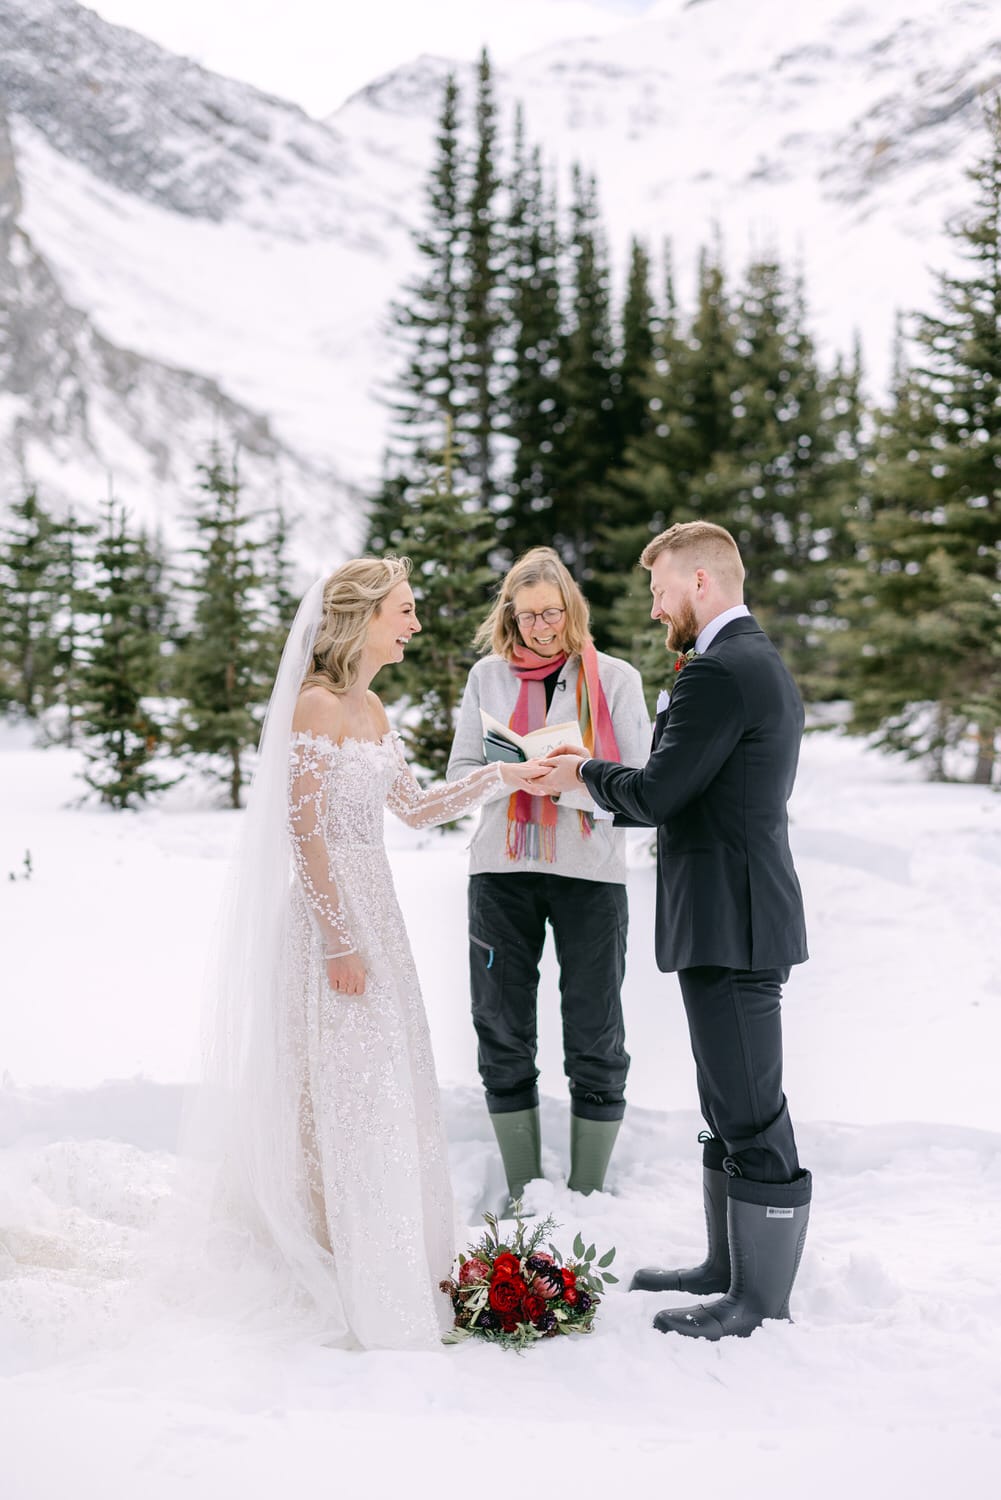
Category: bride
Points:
column 336, row 1167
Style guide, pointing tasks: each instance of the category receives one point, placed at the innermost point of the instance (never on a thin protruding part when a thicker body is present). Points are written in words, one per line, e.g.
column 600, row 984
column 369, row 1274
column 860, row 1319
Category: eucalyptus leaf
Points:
column 607, row 1276
column 608, row 1257
column 578, row 1246
column 589, row 1254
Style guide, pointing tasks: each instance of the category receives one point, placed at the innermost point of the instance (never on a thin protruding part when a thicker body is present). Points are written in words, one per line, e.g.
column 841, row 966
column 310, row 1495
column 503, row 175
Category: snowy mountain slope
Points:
column 224, row 240
column 71, row 397
column 121, row 167
column 834, row 133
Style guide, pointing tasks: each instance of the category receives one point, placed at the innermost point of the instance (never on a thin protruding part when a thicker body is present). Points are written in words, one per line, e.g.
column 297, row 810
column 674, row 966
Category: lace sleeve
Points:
column 308, row 777
column 421, row 807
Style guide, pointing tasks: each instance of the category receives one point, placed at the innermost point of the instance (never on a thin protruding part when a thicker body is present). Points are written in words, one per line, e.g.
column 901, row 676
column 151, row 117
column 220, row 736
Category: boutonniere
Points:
column 684, row 659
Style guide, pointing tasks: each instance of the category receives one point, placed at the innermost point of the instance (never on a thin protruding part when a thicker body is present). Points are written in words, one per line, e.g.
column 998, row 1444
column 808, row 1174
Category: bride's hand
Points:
column 346, row 976
column 523, row 774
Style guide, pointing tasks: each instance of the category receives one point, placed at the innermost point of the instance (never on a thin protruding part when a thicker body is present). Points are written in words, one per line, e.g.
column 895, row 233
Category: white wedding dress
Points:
column 372, row 1164
column 309, row 1198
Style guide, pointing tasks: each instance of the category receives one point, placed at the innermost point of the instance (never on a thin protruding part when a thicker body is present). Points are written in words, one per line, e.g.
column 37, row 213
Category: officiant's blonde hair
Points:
column 499, row 632
column 352, row 597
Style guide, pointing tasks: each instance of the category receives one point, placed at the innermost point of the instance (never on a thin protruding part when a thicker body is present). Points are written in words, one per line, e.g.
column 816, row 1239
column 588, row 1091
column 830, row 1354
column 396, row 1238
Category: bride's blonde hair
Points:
column 352, row 597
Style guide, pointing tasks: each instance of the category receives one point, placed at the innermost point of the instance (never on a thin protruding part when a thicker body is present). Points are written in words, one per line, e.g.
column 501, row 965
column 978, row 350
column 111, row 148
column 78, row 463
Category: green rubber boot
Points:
column 591, row 1143
column 520, row 1140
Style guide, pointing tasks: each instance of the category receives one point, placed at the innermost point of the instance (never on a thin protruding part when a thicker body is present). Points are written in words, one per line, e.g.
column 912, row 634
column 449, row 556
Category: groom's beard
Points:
column 682, row 628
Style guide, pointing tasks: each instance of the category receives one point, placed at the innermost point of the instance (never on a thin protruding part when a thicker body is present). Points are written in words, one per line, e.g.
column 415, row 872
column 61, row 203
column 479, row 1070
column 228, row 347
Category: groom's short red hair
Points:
column 702, row 544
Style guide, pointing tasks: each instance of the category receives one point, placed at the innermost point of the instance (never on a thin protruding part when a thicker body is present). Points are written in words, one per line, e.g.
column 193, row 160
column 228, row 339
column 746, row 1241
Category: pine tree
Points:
column 587, row 442
column 428, row 322
column 639, row 342
column 922, row 658
column 448, row 536
column 74, row 602
column 667, row 467
column 282, row 600
column 120, row 734
column 225, row 664
column 533, row 393
column 29, row 603
column 479, row 414
column 622, row 526
column 769, row 482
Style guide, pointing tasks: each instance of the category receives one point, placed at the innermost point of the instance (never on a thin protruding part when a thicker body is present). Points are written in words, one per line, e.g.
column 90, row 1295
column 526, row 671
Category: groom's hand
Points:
column 560, row 769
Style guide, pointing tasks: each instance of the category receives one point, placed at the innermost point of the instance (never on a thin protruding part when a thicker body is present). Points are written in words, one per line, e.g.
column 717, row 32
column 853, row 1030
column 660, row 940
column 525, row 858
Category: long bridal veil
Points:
column 238, row 1237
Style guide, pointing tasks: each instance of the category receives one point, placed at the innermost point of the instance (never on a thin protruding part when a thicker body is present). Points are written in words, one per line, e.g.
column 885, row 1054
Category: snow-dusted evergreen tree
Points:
column 448, row 536
column 587, row 447
column 71, row 574
column 282, row 597
column 771, row 485
column 120, row 734
column 923, row 659
column 533, row 403
column 426, row 326
column 225, row 662
column 689, row 401
column 479, row 412
column 29, row 605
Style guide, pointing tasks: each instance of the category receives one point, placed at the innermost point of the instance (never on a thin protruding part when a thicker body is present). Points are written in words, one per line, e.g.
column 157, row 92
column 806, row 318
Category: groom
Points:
column 729, row 915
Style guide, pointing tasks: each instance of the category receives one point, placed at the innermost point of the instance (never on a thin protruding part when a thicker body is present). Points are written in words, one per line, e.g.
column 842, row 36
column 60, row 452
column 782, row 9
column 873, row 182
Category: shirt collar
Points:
column 709, row 632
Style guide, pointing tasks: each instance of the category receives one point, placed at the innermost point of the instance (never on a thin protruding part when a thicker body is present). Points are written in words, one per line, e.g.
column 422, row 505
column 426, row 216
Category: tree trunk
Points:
column 235, row 780
column 983, row 772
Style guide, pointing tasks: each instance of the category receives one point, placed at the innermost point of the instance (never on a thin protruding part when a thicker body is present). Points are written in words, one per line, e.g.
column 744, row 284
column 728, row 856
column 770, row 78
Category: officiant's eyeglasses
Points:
column 527, row 619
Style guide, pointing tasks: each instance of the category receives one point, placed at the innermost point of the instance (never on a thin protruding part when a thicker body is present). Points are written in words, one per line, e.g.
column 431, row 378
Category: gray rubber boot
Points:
column 520, row 1140
column 591, row 1145
column 767, row 1225
column 713, row 1275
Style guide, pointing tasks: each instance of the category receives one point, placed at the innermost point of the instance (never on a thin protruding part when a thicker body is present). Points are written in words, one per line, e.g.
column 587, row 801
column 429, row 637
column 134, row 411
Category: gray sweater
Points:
column 492, row 685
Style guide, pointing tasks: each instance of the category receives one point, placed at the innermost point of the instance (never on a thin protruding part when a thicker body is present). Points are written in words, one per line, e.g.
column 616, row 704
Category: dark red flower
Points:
column 507, row 1265
column 570, row 1296
column 509, row 1322
column 506, row 1293
column 679, row 663
column 533, row 1307
column 569, row 1277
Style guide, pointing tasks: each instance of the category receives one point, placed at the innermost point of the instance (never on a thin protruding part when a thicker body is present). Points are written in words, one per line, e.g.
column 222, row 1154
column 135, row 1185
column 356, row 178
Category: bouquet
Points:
column 515, row 1293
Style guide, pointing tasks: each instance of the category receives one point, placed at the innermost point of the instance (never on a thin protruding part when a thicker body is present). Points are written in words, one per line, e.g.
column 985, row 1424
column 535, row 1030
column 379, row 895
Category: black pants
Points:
column 735, row 1023
column 507, row 930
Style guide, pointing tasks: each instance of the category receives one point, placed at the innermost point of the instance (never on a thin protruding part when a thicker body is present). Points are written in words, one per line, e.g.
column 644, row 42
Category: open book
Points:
column 501, row 743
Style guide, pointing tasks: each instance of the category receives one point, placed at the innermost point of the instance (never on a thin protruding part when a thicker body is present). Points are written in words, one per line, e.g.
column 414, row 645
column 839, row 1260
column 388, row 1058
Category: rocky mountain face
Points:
column 111, row 153
column 184, row 259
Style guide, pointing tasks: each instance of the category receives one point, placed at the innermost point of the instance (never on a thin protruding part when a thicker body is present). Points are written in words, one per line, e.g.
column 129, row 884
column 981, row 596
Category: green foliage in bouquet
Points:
column 514, row 1293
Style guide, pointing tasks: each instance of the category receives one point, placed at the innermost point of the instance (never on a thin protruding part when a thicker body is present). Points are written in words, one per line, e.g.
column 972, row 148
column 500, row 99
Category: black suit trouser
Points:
column 735, row 1024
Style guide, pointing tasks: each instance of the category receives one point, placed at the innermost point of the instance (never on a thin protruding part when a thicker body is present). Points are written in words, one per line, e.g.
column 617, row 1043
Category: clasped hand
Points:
column 549, row 775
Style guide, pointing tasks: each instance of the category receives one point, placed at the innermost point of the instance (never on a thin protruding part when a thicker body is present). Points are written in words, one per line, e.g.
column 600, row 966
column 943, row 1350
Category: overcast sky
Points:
column 320, row 53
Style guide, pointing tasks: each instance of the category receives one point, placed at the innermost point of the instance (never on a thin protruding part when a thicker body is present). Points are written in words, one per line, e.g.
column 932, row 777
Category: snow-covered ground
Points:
column 889, row 1382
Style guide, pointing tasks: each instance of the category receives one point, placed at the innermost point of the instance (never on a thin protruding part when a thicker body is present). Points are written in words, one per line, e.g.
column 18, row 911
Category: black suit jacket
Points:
column 715, row 787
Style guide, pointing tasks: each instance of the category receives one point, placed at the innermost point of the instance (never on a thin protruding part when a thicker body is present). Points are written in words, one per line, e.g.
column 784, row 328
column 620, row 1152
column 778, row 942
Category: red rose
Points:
column 679, row 663
column 506, row 1293
column 509, row 1322
column 570, row 1296
column 474, row 1269
column 534, row 1307
column 507, row 1265
column 569, row 1277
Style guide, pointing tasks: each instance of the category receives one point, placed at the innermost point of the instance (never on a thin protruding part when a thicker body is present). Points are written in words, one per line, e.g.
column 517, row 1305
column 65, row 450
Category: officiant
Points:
column 534, row 862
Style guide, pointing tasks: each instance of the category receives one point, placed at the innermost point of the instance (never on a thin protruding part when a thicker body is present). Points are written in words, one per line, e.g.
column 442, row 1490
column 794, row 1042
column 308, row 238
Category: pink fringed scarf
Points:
column 531, row 821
